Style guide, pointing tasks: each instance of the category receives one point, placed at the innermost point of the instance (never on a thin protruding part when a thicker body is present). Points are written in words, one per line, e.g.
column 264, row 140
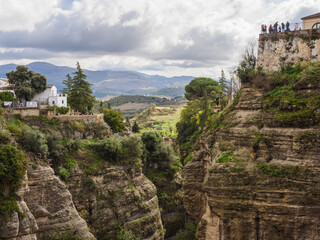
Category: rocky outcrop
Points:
column 114, row 198
column 284, row 48
column 254, row 178
column 51, row 204
column 45, row 209
column 22, row 225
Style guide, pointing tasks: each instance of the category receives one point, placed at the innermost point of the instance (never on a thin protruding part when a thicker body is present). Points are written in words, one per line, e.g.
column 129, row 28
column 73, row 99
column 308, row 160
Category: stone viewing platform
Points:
column 282, row 48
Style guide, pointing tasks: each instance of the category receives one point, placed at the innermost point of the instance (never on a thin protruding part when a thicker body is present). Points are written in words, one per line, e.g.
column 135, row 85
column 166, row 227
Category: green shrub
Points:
column 188, row 233
column 132, row 147
column 7, row 96
column 8, row 205
column 55, row 146
column 124, row 234
column 114, row 119
column 110, row 149
column 5, row 136
column 15, row 127
column 63, row 173
column 135, row 127
column 187, row 159
column 35, row 141
column 166, row 157
column 62, row 110
column 13, row 165
column 151, row 140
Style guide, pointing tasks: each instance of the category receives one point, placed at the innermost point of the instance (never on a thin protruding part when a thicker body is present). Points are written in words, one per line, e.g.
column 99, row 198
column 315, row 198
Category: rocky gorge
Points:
column 255, row 170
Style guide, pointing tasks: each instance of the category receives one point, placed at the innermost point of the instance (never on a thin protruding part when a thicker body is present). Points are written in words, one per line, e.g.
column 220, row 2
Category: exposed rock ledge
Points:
column 47, row 208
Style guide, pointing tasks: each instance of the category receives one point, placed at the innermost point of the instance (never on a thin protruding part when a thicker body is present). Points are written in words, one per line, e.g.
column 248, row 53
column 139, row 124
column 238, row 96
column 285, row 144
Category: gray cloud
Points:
column 63, row 34
column 147, row 35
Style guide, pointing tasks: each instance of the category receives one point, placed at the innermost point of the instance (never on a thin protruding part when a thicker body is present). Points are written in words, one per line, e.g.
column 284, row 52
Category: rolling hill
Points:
column 109, row 83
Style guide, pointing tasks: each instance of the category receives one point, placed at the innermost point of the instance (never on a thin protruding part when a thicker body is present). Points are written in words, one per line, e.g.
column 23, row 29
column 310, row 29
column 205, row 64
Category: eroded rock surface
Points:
column 252, row 180
column 116, row 197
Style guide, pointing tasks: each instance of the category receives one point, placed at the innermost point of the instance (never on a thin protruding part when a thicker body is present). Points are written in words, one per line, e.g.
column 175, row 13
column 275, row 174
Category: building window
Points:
column 62, row 101
column 52, row 102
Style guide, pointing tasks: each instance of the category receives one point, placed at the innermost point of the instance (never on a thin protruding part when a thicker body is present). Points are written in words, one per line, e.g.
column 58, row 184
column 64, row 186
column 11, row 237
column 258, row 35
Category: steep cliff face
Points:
column 255, row 175
column 283, row 48
column 113, row 198
column 46, row 210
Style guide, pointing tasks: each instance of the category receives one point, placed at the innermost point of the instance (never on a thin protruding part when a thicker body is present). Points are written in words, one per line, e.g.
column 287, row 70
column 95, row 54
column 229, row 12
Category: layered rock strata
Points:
column 113, row 198
column 251, row 180
column 46, row 210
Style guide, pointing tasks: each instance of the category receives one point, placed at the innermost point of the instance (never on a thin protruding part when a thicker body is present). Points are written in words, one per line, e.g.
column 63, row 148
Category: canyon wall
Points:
column 255, row 175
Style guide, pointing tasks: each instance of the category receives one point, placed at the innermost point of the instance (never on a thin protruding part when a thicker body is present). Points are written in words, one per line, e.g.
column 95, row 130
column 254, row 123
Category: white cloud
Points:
column 24, row 15
column 190, row 37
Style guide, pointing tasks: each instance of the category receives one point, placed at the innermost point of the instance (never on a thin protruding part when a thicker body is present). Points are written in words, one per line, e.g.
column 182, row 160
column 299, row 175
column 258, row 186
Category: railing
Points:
column 280, row 28
column 25, row 104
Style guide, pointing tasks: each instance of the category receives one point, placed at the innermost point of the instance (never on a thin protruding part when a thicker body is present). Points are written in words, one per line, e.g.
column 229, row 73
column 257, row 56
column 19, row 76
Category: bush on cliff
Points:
column 13, row 164
column 110, row 149
column 12, row 167
column 34, row 140
column 132, row 147
column 114, row 119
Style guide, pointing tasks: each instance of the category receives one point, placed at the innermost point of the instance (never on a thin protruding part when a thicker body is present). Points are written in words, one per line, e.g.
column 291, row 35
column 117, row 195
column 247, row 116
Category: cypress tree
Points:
column 80, row 98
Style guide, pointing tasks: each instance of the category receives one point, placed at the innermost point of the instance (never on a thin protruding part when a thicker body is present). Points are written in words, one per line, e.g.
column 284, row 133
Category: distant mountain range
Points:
column 110, row 83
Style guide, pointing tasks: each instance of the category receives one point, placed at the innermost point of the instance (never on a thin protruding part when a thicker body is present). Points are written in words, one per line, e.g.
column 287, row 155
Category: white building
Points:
column 51, row 97
column 48, row 96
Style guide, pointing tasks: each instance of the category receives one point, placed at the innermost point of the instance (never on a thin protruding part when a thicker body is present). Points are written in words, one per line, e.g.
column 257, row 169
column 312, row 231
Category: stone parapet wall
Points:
column 24, row 112
column 276, row 49
column 81, row 118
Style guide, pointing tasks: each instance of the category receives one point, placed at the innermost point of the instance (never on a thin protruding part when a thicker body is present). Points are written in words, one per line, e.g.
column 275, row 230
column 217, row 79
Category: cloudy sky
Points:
column 165, row 37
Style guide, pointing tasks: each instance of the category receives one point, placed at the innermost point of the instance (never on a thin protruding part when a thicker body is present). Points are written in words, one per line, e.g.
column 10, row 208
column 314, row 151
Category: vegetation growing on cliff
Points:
column 13, row 164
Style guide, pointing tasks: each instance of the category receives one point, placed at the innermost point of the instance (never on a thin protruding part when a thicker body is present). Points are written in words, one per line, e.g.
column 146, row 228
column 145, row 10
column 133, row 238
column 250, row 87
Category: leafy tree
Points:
column 135, row 127
column 157, row 151
column 199, row 87
column 26, row 83
column 247, row 64
column 80, row 97
column 114, row 119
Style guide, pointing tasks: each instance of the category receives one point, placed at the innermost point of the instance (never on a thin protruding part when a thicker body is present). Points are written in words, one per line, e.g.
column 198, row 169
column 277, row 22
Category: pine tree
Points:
column 68, row 83
column 80, row 98
column 135, row 127
column 223, row 83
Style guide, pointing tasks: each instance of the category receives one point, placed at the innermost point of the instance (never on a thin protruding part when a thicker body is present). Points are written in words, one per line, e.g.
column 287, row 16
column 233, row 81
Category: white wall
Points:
column 60, row 100
column 43, row 96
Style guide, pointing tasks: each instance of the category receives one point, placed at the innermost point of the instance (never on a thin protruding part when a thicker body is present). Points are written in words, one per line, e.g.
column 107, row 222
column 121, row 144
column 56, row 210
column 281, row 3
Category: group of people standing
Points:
column 277, row 27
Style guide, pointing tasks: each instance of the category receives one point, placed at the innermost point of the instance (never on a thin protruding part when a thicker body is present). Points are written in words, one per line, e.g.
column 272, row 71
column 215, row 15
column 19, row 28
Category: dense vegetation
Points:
column 202, row 93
